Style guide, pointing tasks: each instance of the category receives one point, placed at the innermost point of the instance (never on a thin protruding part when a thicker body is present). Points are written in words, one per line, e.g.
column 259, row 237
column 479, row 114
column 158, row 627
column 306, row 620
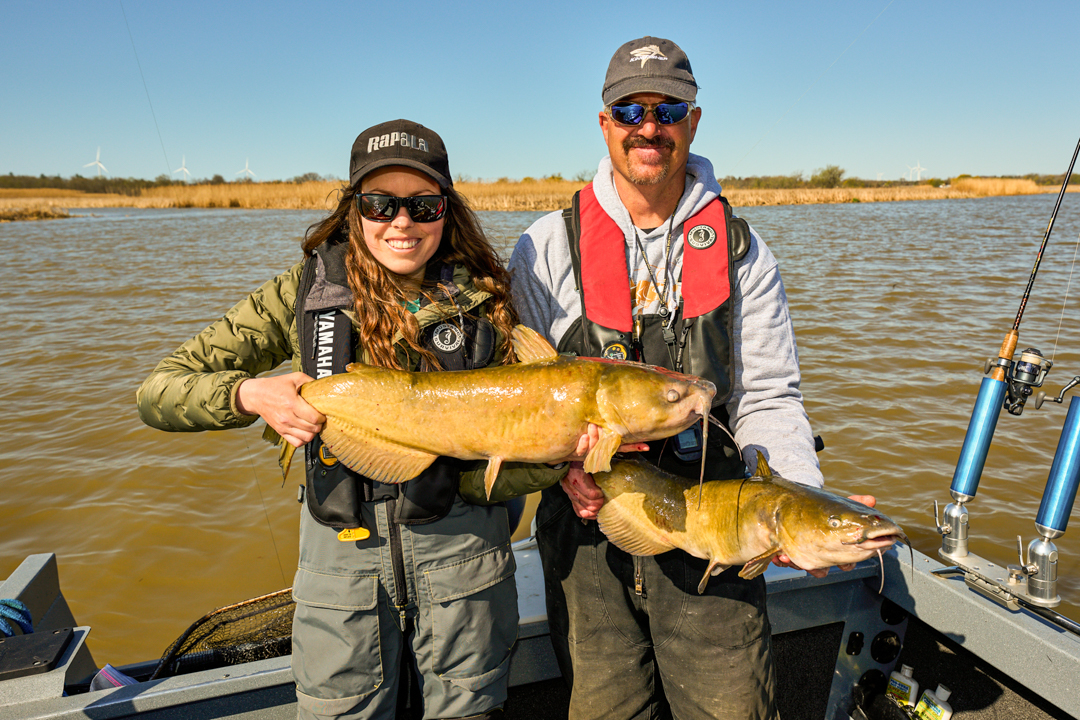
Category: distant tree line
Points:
column 1049, row 179
column 125, row 186
column 830, row 176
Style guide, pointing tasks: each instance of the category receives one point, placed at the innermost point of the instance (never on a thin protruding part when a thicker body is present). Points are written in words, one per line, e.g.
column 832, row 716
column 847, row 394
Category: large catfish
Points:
column 739, row 522
column 389, row 425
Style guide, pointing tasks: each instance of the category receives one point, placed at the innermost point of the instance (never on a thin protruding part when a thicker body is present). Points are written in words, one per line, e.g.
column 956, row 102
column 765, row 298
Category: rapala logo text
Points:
column 396, row 138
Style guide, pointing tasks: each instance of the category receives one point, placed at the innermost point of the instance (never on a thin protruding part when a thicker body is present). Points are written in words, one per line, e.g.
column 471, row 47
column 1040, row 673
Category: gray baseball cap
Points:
column 649, row 65
column 400, row 142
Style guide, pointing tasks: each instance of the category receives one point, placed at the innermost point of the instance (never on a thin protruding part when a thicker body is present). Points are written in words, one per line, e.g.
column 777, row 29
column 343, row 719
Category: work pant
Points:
column 633, row 637
column 444, row 591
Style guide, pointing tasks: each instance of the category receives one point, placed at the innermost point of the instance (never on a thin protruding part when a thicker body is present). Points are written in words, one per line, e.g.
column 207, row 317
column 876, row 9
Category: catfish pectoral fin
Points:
column 715, row 568
column 285, row 458
column 599, row 458
column 372, row 455
column 756, row 566
column 628, row 529
column 492, row 472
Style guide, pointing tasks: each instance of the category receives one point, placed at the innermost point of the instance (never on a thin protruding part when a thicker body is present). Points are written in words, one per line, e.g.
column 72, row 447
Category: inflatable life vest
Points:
column 697, row 339
column 328, row 344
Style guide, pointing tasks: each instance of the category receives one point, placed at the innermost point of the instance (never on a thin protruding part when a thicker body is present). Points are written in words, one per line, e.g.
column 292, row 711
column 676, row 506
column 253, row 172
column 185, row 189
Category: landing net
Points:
column 255, row 629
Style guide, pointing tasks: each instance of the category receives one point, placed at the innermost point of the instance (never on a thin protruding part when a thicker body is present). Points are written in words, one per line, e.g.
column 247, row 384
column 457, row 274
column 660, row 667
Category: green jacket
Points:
column 195, row 388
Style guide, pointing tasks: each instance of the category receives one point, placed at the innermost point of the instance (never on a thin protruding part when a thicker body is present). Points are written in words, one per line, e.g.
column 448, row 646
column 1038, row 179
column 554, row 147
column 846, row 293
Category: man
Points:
column 633, row 637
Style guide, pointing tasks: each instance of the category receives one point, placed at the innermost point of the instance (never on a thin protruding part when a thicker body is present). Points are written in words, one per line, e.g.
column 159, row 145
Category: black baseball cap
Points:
column 649, row 65
column 400, row 142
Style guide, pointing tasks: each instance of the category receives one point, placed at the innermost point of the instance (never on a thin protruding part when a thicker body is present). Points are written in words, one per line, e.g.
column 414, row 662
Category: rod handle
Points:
column 1008, row 349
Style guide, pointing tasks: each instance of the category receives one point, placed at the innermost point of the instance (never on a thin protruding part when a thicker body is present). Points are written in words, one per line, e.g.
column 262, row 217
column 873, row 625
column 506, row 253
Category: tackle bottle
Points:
column 933, row 706
column 903, row 688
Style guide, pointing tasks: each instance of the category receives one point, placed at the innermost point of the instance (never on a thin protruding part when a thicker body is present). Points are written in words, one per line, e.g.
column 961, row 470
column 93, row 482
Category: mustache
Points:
column 655, row 142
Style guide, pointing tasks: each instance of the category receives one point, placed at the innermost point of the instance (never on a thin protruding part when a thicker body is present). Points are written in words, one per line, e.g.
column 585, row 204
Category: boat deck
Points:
column 833, row 638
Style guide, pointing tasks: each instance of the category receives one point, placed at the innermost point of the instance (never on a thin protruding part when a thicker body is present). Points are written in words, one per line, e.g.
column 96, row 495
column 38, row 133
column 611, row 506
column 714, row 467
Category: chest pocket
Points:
column 464, row 342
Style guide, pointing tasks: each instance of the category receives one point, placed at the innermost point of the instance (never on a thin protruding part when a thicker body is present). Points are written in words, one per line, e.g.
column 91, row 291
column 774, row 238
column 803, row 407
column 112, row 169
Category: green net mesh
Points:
column 255, row 629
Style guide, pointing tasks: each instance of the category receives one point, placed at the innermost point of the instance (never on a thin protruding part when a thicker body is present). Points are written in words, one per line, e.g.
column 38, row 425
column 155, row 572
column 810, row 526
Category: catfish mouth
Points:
column 878, row 541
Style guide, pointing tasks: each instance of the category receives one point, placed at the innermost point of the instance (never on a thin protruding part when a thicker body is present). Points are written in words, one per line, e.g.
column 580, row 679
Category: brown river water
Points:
column 896, row 306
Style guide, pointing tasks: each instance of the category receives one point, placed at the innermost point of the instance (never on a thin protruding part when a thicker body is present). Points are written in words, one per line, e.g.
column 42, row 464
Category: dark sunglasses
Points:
column 666, row 113
column 384, row 208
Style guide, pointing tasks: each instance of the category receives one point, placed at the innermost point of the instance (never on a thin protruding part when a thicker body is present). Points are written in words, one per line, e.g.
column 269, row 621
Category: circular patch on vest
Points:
column 615, row 351
column 326, row 457
column 701, row 237
column 448, row 338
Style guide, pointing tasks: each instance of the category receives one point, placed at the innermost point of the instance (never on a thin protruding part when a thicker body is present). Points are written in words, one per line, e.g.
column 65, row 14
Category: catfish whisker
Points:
column 705, row 413
column 881, row 560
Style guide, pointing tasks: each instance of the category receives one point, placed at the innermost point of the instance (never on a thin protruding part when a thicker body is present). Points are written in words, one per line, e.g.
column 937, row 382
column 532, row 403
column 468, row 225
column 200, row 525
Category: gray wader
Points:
column 446, row 589
column 633, row 637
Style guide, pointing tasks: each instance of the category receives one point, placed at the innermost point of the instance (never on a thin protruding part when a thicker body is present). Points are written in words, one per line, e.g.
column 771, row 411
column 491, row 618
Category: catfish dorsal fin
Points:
column 763, row 470
column 530, row 346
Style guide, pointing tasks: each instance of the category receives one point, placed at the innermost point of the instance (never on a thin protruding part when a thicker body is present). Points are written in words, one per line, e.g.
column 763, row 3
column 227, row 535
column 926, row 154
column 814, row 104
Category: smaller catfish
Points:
column 737, row 522
column 390, row 425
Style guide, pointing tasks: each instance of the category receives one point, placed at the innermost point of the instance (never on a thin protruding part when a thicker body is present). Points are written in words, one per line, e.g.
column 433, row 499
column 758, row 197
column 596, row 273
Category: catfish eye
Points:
column 834, row 522
column 673, row 396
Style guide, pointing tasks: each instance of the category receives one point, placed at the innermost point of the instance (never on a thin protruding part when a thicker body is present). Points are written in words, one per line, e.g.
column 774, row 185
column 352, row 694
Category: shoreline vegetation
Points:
column 39, row 203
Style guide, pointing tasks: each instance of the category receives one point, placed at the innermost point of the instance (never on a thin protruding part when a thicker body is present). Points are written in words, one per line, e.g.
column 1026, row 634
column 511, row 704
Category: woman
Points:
column 399, row 275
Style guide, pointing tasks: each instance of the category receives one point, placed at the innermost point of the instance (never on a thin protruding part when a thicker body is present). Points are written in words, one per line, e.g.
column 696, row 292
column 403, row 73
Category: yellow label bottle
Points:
column 903, row 688
column 933, row 706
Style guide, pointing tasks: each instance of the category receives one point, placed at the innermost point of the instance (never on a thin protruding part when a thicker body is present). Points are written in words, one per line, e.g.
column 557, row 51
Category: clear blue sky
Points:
column 514, row 88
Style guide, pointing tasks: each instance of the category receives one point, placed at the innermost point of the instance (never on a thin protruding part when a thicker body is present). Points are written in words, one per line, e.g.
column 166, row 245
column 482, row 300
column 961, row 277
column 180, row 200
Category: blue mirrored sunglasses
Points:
column 666, row 113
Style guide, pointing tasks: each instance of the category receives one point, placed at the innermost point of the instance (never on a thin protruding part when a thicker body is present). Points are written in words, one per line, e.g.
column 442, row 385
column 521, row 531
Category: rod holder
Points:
column 1060, row 493
column 1042, row 583
column 953, row 529
column 980, row 432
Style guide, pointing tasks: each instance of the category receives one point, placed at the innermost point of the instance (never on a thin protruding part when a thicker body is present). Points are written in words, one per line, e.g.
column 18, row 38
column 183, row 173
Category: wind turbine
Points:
column 918, row 171
column 246, row 170
column 183, row 168
column 910, row 170
column 97, row 162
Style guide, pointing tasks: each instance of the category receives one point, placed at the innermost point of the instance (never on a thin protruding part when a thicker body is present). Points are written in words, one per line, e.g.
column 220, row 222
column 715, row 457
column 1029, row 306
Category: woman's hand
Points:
column 588, row 441
column 586, row 497
column 785, row 561
column 277, row 400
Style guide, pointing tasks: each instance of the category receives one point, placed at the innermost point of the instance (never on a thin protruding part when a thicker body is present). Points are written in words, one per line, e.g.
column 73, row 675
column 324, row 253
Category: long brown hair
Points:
column 378, row 298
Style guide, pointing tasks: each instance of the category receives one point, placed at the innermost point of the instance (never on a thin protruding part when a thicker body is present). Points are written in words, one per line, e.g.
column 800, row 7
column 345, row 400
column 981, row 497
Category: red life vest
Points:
column 699, row 338
column 705, row 279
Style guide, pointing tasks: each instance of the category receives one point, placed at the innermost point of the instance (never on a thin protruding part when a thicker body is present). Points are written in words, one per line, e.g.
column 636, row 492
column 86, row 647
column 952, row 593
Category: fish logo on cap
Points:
column 644, row 54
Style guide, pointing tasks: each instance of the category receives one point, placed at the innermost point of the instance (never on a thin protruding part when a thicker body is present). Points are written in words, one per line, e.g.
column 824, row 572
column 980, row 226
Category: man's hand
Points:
column 584, row 494
column 784, row 561
column 277, row 400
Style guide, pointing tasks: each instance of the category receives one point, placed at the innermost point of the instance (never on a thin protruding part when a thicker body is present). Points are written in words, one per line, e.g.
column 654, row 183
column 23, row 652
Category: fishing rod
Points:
column 1009, row 385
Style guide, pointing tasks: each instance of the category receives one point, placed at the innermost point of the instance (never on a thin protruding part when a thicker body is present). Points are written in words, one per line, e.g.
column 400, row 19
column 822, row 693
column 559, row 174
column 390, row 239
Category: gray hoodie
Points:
column 765, row 407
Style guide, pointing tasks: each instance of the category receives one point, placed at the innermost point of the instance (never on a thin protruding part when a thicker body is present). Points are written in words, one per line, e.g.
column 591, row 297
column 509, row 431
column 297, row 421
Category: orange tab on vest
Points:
column 351, row 534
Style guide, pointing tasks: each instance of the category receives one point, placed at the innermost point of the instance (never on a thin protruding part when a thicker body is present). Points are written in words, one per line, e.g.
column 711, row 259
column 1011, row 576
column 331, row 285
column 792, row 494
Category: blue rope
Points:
column 17, row 612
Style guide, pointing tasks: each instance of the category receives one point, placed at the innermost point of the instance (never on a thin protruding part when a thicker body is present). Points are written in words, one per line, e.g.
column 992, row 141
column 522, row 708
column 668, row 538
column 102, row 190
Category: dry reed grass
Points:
column 256, row 196
column 983, row 187
column 539, row 195
column 32, row 211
